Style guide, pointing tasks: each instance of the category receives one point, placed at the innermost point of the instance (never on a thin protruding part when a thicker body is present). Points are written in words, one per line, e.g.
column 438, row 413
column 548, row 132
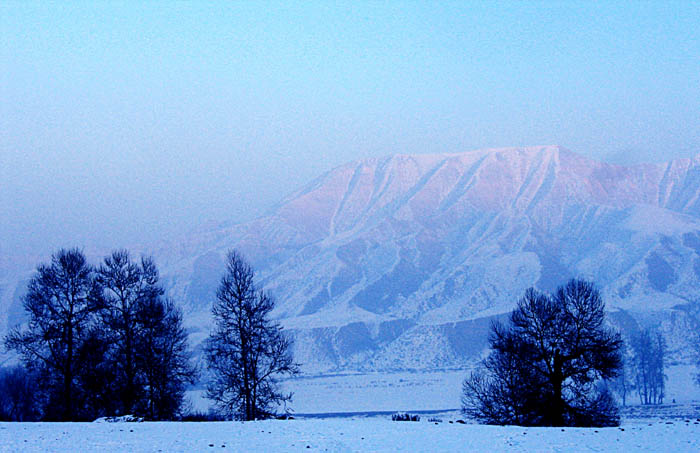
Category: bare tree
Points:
column 505, row 387
column 163, row 357
column 97, row 374
column 623, row 384
column 247, row 352
column 544, row 366
column 126, row 286
column 649, row 350
column 61, row 301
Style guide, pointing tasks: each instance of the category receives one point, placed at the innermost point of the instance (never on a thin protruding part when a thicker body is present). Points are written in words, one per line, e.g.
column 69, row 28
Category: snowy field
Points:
column 434, row 391
column 371, row 392
column 423, row 391
column 357, row 434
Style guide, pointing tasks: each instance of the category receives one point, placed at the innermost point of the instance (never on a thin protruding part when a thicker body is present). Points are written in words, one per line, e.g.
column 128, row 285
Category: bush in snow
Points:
column 201, row 416
column 405, row 417
column 120, row 419
column 18, row 395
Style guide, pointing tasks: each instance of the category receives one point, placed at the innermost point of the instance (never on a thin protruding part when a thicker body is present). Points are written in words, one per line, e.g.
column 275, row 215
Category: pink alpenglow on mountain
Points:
column 402, row 262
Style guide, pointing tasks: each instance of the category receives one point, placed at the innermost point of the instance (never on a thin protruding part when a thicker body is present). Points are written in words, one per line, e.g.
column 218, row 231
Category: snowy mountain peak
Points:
column 382, row 257
column 519, row 180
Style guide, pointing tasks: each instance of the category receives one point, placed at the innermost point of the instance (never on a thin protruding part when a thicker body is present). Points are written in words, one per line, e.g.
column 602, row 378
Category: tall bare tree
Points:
column 126, row 286
column 163, row 359
column 247, row 352
column 624, row 383
column 61, row 301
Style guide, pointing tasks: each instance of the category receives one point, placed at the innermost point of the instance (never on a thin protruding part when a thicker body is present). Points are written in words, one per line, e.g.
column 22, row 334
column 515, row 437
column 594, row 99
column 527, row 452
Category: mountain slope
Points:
column 402, row 262
column 376, row 259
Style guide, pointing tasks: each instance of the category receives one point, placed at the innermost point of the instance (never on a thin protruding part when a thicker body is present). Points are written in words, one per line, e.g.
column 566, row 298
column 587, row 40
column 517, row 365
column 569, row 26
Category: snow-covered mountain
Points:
column 402, row 262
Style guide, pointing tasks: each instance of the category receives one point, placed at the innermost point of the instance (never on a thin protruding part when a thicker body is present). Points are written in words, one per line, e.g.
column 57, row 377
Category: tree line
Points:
column 643, row 368
column 103, row 340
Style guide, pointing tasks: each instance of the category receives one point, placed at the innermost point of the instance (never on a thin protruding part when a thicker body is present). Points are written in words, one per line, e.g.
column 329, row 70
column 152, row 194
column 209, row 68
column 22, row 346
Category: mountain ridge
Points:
column 381, row 257
column 316, row 218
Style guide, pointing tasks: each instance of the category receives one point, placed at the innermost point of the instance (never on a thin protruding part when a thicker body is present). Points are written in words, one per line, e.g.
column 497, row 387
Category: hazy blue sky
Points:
column 123, row 120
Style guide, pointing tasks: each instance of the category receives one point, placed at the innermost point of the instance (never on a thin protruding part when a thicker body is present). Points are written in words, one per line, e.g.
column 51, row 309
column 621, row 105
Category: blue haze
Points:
column 122, row 123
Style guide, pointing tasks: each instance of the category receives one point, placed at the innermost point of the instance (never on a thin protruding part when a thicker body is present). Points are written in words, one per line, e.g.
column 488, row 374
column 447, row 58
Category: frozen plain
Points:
column 426, row 391
column 355, row 434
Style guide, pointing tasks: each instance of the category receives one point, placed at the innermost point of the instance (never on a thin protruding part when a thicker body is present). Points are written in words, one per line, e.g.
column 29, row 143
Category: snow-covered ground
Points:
column 416, row 391
column 368, row 392
column 375, row 434
column 405, row 391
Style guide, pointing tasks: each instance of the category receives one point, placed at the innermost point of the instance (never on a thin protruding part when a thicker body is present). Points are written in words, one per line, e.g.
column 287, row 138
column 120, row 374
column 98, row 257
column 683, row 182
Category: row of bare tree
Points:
column 101, row 340
column 104, row 340
column 643, row 369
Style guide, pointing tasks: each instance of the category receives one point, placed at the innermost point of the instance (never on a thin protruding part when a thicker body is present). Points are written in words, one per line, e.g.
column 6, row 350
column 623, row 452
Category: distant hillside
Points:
column 402, row 262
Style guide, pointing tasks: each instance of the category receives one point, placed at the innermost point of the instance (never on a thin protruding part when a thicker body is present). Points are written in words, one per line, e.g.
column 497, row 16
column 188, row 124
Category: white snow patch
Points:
column 649, row 219
column 376, row 434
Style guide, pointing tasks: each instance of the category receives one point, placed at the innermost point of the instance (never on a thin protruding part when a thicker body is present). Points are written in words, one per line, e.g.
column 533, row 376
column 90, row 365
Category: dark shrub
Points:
column 18, row 395
column 202, row 416
column 405, row 417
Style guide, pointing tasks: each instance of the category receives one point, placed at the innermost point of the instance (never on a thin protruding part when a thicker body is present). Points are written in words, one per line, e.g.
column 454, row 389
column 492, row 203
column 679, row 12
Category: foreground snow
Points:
column 344, row 434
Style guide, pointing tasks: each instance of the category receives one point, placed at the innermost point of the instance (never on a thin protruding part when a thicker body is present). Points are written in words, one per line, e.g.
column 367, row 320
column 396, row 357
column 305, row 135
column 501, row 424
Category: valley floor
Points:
column 357, row 434
column 421, row 391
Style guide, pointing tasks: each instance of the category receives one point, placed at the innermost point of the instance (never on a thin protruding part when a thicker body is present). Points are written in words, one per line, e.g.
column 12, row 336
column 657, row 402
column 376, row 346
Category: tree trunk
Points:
column 129, row 397
column 557, row 384
column 68, row 376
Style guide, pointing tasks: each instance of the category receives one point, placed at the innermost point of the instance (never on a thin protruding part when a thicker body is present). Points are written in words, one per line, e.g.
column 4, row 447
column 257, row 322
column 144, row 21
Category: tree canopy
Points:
column 545, row 365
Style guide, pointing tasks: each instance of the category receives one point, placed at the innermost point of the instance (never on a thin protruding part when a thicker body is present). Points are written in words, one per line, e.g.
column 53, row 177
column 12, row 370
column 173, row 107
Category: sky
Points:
column 124, row 123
